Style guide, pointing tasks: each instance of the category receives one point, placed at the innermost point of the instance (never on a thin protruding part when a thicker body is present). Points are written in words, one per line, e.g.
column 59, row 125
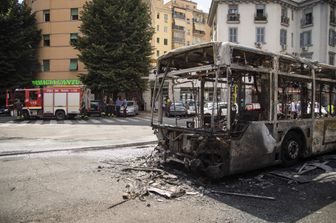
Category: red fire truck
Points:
column 52, row 102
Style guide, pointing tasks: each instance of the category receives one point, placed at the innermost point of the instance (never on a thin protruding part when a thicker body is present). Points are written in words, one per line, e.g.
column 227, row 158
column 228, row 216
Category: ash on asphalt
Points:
column 294, row 201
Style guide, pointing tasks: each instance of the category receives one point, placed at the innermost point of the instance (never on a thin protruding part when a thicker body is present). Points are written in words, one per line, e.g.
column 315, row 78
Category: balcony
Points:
column 305, row 22
column 179, row 15
column 260, row 18
column 233, row 18
column 284, row 20
column 178, row 28
column 198, row 32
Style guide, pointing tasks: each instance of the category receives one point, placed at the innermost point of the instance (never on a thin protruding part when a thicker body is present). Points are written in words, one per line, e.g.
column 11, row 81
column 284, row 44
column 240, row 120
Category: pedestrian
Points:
column 125, row 107
column 119, row 103
column 18, row 106
column 168, row 104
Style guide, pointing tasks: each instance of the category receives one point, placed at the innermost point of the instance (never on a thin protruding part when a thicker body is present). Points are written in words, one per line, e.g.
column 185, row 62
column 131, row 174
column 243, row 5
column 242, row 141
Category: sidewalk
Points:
column 50, row 138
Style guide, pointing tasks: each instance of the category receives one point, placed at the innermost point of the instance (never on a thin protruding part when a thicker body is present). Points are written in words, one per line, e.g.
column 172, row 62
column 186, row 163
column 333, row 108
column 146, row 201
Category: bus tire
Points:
column 291, row 148
column 60, row 115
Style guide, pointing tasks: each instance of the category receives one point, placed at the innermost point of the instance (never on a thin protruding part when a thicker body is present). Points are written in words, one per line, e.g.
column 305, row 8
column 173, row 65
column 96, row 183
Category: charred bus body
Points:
column 266, row 108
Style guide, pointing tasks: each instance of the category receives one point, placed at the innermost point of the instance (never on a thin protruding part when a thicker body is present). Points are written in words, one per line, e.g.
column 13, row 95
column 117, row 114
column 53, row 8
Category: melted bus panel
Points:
column 250, row 108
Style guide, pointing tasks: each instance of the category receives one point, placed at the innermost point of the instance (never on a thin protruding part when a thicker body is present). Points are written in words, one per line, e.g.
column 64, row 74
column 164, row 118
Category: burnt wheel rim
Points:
column 293, row 149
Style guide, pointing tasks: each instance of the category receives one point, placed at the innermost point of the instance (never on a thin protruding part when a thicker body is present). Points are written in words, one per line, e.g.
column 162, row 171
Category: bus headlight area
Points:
column 250, row 108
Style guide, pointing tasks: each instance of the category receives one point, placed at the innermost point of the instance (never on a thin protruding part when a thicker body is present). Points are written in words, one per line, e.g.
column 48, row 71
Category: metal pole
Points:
column 228, row 74
column 213, row 101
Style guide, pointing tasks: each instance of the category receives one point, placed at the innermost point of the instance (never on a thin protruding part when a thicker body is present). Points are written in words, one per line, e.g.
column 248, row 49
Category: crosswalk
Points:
column 91, row 120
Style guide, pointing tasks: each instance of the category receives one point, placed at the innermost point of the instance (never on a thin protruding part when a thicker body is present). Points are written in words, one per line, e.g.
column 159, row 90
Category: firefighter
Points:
column 18, row 106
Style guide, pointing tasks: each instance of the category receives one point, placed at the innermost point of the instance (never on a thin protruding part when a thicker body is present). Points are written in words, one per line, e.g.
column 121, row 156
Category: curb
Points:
column 83, row 149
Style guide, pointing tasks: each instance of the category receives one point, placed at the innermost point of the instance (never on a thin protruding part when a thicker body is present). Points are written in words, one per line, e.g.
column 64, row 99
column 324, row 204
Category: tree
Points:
column 115, row 45
column 19, row 39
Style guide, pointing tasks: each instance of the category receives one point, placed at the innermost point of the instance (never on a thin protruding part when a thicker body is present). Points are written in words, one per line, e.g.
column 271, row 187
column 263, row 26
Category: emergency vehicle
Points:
column 52, row 102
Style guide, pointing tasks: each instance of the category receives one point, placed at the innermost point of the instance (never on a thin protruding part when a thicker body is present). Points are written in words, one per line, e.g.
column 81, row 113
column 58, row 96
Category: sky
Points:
column 201, row 4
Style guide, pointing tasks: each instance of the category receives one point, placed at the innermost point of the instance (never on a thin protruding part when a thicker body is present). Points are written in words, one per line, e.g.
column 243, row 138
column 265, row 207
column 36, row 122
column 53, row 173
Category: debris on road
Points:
column 174, row 193
column 242, row 195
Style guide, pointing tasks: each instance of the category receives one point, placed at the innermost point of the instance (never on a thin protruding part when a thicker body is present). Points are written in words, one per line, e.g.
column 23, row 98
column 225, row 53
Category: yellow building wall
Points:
column 59, row 28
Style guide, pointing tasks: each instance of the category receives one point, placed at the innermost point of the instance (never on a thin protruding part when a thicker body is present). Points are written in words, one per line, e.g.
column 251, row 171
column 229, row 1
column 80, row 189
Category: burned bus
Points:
column 265, row 108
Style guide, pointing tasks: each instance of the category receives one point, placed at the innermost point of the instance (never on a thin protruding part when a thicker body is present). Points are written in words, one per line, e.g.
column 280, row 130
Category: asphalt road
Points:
column 139, row 120
column 81, row 186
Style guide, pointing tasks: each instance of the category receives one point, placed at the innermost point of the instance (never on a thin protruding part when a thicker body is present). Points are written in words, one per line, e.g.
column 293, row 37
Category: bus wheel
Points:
column 291, row 148
column 60, row 115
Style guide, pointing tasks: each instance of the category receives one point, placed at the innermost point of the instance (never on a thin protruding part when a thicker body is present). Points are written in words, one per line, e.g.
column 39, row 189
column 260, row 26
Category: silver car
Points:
column 131, row 109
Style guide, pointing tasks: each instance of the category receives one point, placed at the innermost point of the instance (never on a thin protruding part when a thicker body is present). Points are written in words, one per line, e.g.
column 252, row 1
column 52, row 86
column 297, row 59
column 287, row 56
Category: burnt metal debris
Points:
column 262, row 108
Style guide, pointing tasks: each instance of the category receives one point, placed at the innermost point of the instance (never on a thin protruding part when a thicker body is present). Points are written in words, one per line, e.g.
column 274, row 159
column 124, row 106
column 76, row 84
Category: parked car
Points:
column 177, row 109
column 220, row 105
column 131, row 110
column 4, row 111
column 96, row 107
column 191, row 107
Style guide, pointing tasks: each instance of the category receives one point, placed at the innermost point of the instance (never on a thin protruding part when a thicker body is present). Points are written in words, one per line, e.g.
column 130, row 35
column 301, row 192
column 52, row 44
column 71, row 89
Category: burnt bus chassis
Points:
column 243, row 146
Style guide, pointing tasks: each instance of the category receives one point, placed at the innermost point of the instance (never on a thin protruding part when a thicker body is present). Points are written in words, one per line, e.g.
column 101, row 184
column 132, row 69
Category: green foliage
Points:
column 19, row 39
column 115, row 44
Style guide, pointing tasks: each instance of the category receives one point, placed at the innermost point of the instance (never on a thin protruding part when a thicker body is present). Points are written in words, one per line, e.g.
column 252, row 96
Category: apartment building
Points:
column 304, row 28
column 59, row 21
column 189, row 23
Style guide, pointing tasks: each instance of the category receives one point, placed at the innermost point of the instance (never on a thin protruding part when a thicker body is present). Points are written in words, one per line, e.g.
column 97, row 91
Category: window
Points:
column 305, row 39
column 33, row 95
column 73, row 38
column 46, row 65
column 158, row 40
column 260, row 38
column 157, row 28
column 158, row 15
column 46, row 15
column 260, row 10
column 165, row 29
column 157, row 53
column 284, row 12
column 292, row 40
column 332, row 37
column 165, row 52
column 283, row 37
column 233, row 35
column 46, row 40
column 307, row 17
column 332, row 15
column 165, row 42
column 188, row 43
column 73, row 64
column 331, row 58
column 74, row 14
column 284, row 16
column 166, row 18
column 233, row 9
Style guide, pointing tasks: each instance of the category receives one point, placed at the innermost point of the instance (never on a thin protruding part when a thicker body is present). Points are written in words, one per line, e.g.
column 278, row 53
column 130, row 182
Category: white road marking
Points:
column 95, row 121
column 82, row 121
column 121, row 120
column 133, row 120
column 67, row 122
column 53, row 122
column 38, row 122
column 109, row 120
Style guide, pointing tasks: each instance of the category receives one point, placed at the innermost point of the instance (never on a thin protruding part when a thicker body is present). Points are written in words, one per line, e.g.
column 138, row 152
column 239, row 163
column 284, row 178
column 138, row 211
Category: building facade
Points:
column 189, row 25
column 303, row 28
column 59, row 22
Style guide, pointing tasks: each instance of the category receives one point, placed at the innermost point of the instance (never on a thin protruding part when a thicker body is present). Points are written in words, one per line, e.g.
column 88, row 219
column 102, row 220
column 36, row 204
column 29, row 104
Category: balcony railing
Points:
column 198, row 32
column 178, row 28
column 233, row 17
column 306, row 22
column 284, row 20
column 260, row 17
column 178, row 15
